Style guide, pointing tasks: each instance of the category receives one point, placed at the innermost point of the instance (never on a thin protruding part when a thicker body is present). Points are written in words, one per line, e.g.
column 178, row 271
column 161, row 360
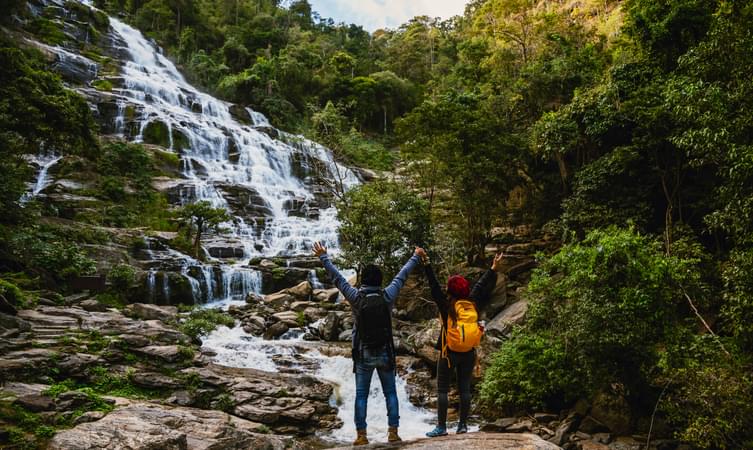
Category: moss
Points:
column 278, row 274
column 48, row 31
column 169, row 159
column 102, row 85
column 157, row 133
column 203, row 321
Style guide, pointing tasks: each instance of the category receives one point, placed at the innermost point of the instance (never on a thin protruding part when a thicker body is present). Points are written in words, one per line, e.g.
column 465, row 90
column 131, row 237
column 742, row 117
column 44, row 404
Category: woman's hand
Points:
column 319, row 249
column 496, row 263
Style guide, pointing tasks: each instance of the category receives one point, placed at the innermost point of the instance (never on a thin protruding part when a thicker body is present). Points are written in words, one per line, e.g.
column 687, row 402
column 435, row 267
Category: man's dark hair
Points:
column 371, row 276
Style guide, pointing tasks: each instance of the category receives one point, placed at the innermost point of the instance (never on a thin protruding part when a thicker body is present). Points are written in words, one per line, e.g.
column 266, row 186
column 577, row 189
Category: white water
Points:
column 262, row 165
column 44, row 162
column 236, row 348
column 259, row 164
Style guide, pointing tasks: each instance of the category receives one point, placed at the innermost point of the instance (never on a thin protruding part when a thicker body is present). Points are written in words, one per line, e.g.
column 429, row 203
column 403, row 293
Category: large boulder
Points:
column 503, row 323
column 330, row 328
column 153, row 312
column 147, row 426
column 485, row 441
column 302, row 290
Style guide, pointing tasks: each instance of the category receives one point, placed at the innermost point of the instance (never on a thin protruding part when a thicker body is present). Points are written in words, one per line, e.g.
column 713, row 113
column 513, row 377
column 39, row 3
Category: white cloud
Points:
column 374, row 14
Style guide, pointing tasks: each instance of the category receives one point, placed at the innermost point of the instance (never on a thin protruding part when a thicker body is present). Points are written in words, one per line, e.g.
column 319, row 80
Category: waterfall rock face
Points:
column 274, row 185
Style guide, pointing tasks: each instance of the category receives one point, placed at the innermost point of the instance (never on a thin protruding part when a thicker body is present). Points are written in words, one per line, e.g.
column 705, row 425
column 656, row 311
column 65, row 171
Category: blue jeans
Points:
column 365, row 365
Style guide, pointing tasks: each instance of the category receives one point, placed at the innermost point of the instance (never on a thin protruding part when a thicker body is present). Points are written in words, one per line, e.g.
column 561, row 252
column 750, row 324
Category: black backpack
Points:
column 374, row 320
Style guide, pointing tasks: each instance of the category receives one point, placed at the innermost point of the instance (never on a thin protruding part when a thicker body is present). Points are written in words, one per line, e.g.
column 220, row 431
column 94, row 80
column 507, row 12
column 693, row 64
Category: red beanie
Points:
column 458, row 286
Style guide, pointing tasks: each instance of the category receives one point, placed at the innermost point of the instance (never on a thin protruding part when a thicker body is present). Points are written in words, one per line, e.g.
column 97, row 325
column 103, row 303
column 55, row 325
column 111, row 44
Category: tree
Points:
column 200, row 218
column 381, row 222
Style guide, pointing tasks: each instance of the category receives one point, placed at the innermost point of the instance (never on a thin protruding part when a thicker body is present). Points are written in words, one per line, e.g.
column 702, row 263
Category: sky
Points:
column 375, row 14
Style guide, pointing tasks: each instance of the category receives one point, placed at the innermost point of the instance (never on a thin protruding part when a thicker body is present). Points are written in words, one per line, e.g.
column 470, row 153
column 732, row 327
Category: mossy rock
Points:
column 49, row 31
column 102, row 85
column 157, row 133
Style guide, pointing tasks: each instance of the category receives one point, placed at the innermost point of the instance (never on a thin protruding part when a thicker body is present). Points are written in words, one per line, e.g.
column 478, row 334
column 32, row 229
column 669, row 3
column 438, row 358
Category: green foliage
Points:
column 122, row 277
column 201, row 322
column 37, row 113
column 44, row 253
column 13, row 294
column 198, row 218
column 603, row 307
column 381, row 223
column 530, row 371
column 706, row 394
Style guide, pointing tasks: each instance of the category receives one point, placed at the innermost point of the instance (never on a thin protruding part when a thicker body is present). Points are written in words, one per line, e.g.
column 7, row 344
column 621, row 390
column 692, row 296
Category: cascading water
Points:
column 44, row 162
column 219, row 154
column 234, row 347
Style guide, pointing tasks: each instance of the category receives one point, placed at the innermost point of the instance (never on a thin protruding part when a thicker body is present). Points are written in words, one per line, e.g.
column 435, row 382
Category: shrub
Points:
column 601, row 310
column 530, row 371
column 381, row 223
column 121, row 277
column 12, row 293
column 203, row 321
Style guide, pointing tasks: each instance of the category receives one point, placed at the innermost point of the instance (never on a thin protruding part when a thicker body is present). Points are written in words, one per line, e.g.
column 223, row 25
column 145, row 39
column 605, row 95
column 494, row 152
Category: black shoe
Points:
column 462, row 428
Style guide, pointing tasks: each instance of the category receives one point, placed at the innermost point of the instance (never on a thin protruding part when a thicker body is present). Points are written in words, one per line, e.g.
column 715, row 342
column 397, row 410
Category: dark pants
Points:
column 365, row 366
column 462, row 364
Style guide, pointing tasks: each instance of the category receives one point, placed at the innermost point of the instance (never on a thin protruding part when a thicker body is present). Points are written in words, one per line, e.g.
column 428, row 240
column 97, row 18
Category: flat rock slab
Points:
column 476, row 441
column 147, row 426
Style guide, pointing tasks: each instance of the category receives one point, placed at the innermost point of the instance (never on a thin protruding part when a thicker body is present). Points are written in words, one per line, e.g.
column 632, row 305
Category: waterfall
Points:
column 202, row 130
column 45, row 162
column 220, row 154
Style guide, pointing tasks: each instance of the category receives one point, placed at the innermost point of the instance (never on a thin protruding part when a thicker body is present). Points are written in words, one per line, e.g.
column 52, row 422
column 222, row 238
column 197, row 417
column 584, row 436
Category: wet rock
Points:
column 279, row 300
column 225, row 249
column 290, row 318
column 280, row 278
column 326, row 295
column 302, row 290
column 330, row 328
column 245, row 201
column 626, row 443
column 254, row 325
column 345, row 336
column 276, row 330
column 153, row 312
column 503, row 323
column 301, row 306
column 146, row 426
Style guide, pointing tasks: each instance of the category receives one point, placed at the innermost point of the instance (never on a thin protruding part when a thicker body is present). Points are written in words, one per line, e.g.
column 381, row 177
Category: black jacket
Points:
column 480, row 295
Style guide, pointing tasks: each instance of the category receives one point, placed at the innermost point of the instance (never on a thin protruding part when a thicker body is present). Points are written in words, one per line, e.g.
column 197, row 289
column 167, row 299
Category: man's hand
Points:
column 319, row 249
column 422, row 254
column 497, row 261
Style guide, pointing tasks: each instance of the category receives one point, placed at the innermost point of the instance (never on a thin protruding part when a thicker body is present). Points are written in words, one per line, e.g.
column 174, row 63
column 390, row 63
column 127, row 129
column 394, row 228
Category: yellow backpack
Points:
column 464, row 334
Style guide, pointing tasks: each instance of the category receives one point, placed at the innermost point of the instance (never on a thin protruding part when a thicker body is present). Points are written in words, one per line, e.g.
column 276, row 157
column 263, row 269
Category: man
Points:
column 373, row 347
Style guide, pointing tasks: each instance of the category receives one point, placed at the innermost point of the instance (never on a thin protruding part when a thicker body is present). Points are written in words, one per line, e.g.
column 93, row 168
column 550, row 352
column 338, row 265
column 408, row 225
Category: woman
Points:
column 458, row 309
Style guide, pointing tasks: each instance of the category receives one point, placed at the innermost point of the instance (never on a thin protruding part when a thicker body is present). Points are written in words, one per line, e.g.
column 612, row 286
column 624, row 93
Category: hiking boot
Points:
column 436, row 432
column 392, row 436
column 361, row 438
column 462, row 428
